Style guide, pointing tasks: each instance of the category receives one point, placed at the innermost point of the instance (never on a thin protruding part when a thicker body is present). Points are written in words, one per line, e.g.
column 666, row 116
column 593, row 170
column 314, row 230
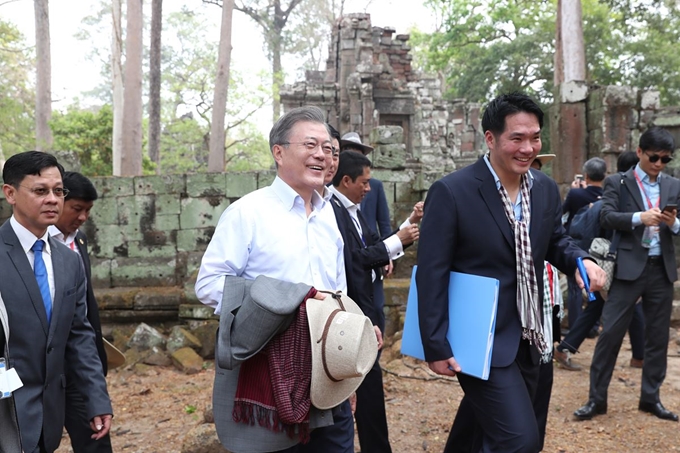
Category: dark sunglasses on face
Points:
column 655, row 157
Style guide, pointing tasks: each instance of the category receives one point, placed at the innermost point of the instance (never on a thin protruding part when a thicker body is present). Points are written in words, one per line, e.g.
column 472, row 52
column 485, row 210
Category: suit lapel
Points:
column 58, row 269
column 367, row 240
column 347, row 219
column 18, row 257
column 632, row 186
column 537, row 209
column 492, row 199
column 81, row 243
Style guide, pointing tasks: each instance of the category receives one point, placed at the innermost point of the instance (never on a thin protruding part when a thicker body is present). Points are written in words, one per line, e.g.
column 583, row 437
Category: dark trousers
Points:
column 542, row 399
column 337, row 438
column 657, row 299
column 370, row 413
column 78, row 425
column 574, row 301
column 588, row 319
column 498, row 415
column 379, row 299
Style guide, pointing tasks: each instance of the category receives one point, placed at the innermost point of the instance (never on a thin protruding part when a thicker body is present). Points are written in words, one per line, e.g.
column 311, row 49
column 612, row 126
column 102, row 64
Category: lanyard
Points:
column 649, row 202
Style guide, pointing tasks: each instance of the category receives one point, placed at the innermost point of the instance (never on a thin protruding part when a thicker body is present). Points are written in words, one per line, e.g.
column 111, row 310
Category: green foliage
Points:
column 486, row 47
column 190, row 409
column 87, row 132
column 16, row 91
column 248, row 149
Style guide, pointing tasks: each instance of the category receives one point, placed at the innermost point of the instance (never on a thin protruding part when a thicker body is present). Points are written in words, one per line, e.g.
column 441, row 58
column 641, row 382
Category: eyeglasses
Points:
column 311, row 146
column 42, row 192
column 653, row 158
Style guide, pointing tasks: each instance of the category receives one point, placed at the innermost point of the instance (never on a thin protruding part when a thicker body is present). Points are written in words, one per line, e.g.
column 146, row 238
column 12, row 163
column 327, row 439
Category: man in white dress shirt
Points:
column 285, row 231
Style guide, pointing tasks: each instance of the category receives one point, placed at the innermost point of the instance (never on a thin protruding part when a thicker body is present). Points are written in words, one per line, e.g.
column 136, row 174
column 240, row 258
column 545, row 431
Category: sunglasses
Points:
column 655, row 157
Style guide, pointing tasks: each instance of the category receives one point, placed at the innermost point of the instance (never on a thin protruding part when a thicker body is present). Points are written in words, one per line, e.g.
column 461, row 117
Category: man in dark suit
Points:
column 642, row 205
column 364, row 254
column 77, row 205
column 44, row 289
column 376, row 213
column 498, row 219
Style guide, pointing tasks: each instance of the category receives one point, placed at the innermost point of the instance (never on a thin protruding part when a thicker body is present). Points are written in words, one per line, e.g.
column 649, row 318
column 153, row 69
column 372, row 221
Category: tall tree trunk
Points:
column 131, row 162
column 277, row 77
column 216, row 158
column 558, row 62
column 43, row 92
column 573, row 48
column 117, row 75
column 155, row 83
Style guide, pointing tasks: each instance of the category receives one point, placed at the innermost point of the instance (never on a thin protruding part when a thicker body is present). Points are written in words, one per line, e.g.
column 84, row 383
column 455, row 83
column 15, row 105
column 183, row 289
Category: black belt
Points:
column 658, row 259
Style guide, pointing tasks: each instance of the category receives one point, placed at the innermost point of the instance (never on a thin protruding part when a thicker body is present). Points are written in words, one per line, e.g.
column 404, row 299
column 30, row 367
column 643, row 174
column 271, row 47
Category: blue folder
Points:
column 473, row 301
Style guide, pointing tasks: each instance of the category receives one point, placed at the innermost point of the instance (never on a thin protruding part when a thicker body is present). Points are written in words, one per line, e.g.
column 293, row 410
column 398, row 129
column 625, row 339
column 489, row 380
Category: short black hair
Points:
column 334, row 132
column 79, row 187
column 626, row 160
column 657, row 139
column 27, row 163
column 505, row 105
column 352, row 164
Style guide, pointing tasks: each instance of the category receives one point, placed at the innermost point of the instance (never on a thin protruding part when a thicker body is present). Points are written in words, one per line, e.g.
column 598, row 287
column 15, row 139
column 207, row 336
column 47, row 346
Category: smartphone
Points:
column 578, row 178
column 669, row 207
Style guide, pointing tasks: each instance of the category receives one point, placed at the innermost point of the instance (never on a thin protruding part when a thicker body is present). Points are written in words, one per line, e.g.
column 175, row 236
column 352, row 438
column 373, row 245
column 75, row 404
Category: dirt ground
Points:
column 156, row 406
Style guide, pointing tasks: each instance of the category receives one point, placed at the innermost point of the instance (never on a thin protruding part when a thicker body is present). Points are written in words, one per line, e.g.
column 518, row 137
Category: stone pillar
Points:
column 568, row 131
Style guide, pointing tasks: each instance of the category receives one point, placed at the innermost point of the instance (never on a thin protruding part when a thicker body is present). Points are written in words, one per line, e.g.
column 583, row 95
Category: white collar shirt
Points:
column 69, row 241
column 268, row 232
column 27, row 240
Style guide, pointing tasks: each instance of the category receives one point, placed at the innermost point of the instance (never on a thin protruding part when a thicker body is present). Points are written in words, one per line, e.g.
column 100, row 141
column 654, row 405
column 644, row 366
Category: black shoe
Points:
column 590, row 410
column 658, row 410
column 593, row 333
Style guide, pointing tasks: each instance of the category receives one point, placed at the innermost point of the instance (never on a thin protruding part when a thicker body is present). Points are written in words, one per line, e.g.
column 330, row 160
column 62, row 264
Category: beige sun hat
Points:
column 344, row 348
column 353, row 140
column 114, row 358
column 545, row 158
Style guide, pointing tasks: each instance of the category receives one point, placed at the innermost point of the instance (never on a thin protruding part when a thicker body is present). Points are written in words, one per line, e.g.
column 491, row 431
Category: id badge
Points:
column 9, row 380
column 648, row 236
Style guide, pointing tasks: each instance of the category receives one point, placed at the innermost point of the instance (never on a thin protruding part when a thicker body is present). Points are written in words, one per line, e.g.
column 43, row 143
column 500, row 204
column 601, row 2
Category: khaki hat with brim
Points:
column 353, row 140
column 344, row 348
column 114, row 358
column 545, row 158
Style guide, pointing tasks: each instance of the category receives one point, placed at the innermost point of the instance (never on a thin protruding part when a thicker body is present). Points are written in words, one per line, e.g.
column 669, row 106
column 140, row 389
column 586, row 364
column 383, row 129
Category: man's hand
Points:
column 668, row 217
column 652, row 217
column 101, row 425
column 596, row 275
column 378, row 335
column 408, row 235
column 353, row 402
column 445, row 367
column 389, row 268
column 417, row 213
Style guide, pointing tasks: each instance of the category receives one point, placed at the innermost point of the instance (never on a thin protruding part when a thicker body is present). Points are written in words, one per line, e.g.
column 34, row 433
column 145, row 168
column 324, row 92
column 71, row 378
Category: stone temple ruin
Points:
column 148, row 233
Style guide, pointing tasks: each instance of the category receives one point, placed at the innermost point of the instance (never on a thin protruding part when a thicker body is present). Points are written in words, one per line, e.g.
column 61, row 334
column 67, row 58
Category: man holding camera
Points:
column 642, row 205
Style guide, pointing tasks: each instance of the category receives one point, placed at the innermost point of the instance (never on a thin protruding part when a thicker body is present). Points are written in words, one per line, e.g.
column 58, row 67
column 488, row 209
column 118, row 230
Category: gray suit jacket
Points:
column 631, row 257
column 241, row 335
column 41, row 353
column 10, row 442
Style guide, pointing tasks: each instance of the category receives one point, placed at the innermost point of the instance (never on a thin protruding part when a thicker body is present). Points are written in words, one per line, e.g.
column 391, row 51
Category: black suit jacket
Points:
column 465, row 229
column 92, row 307
column 360, row 259
column 620, row 201
column 42, row 353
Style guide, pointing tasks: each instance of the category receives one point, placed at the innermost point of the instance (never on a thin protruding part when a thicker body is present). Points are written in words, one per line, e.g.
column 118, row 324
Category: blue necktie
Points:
column 40, row 272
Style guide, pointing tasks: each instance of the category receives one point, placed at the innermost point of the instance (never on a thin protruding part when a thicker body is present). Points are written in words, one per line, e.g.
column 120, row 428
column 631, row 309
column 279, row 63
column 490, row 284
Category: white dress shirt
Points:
column 268, row 232
column 395, row 248
column 27, row 240
column 69, row 241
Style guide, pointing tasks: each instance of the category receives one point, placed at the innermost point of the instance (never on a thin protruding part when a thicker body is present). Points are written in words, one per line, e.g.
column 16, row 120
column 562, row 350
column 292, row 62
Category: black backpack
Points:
column 585, row 226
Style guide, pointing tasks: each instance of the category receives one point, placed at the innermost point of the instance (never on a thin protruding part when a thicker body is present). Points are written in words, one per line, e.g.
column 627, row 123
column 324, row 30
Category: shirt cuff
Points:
column 676, row 226
column 407, row 223
column 637, row 219
column 394, row 247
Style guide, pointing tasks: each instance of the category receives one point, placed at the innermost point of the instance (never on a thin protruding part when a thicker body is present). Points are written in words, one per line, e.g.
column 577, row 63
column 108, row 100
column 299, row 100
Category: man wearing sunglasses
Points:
column 642, row 205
